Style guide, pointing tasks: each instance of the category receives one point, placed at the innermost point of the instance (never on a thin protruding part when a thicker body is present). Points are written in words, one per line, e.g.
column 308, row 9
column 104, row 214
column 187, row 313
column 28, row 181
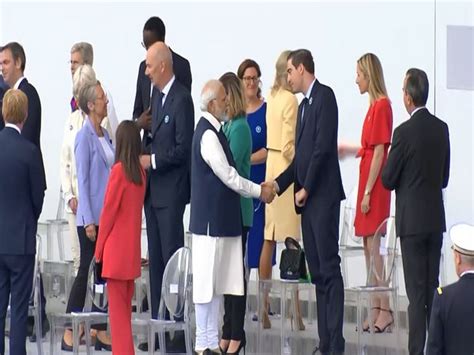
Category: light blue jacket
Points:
column 92, row 173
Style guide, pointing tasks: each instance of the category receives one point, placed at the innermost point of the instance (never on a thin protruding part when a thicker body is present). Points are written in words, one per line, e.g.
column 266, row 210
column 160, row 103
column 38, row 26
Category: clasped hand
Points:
column 268, row 192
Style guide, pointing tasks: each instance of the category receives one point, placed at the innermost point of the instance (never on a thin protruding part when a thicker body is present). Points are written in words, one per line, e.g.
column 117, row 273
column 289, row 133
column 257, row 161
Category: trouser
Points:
column 234, row 306
column 165, row 234
column 16, row 279
column 320, row 224
column 120, row 312
column 207, row 334
column 77, row 296
column 420, row 255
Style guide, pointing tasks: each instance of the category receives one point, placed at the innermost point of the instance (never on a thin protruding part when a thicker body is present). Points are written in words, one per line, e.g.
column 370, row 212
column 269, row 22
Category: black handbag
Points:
column 292, row 262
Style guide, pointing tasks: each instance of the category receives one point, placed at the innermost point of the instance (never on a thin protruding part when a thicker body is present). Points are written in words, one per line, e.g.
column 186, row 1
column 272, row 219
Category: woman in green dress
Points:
column 238, row 134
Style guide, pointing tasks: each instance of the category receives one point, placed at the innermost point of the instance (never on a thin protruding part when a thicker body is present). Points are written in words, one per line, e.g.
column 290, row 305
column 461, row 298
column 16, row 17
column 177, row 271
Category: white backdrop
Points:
column 216, row 37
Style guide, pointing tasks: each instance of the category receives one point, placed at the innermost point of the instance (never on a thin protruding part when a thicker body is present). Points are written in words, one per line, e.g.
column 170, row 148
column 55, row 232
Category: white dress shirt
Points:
column 18, row 82
column 15, row 127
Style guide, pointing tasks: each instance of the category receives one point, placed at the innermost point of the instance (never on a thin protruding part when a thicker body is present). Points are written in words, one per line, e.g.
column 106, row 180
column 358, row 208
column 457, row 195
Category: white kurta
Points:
column 217, row 261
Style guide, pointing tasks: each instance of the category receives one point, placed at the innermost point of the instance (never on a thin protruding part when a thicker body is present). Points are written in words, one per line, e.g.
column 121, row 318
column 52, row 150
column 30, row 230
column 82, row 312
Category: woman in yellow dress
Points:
column 281, row 220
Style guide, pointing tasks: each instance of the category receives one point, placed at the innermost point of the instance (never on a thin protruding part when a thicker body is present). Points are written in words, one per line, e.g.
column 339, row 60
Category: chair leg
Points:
column 75, row 336
column 187, row 338
column 162, row 337
column 151, row 340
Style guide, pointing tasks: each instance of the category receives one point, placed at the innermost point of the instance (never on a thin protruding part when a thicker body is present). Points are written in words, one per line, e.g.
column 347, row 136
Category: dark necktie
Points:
column 305, row 104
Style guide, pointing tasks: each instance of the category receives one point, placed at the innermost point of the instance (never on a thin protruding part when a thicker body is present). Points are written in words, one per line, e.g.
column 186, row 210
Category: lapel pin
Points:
column 310, row 100
column 167, row 119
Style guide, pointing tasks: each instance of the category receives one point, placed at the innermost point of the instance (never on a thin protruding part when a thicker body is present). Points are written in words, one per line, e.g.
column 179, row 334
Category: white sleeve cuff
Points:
column 153, row 162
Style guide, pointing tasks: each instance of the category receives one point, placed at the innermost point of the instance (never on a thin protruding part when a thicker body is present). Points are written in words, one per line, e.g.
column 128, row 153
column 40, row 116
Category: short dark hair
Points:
column 18, row 53
column 302, row 56
column 417, row 86
column 157, row 27
column 249, row 63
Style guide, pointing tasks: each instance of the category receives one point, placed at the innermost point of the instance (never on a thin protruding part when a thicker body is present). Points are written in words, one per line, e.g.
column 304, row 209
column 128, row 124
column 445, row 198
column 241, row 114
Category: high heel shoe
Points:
column 366, row 327
column 99, row 345
column 65, row 346
column 242, row 345
column 387, row 327
column 223, row 352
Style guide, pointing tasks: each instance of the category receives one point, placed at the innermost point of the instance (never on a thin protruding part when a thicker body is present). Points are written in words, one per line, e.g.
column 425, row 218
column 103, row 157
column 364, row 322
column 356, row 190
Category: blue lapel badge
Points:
column 167, row 119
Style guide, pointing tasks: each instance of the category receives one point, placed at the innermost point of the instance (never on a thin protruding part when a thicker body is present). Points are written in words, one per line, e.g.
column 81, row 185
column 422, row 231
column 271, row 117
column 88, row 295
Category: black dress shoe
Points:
column 99, row 345
column 45, row 329
column 65, row 347
column 177, row 344
column 144, row 346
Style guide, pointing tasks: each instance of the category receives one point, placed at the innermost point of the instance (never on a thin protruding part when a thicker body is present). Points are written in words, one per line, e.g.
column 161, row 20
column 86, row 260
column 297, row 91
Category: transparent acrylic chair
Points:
column 176, row 299
column 381, row 282
column 96, row 303
column 34, row 308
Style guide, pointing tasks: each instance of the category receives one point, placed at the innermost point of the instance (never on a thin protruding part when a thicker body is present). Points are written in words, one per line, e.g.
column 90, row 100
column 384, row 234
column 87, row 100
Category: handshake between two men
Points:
column 271, row 188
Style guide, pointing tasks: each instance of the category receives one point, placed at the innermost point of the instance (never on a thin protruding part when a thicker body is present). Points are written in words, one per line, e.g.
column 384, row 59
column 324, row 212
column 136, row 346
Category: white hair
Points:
column 209, row 93
column 85, row 50
column 84, row 76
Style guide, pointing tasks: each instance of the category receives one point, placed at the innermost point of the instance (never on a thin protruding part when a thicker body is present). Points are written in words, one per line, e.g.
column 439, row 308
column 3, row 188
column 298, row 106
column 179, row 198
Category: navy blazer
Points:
column 22, row 186
column 172, row 133
column 417, row 169
column 32, row 127
column 182, row 72
column 92, row 173
column 452, row 319
column 315, row 165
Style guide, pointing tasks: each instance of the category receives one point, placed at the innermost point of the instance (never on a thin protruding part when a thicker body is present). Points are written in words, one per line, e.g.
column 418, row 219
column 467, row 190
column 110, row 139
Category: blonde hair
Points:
column 371, row 67
column 281, row 77
column 235, row 95
column 15, row 106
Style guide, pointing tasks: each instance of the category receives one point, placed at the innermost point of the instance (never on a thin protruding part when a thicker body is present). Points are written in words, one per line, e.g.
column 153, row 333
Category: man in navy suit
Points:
column 452, row 314
column 318, row 194
column 154, row 31
column 169, row 186
column 13, row 60
column 22, row 186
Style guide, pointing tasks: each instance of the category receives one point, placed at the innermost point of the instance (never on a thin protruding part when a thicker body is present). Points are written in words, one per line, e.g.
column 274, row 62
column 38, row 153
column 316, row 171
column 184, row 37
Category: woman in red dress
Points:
column 373, row 200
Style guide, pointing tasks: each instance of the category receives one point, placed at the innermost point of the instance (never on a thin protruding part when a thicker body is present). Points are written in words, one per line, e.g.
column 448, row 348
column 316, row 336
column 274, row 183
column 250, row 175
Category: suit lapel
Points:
column 95, row 140
column 162, row 113
column 308, row 110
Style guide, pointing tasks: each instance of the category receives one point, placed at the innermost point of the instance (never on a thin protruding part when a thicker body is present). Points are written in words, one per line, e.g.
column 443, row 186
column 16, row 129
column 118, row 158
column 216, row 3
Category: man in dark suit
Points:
column 13, row 60
column 21, row 200
column 154, row 31
column 452, row 314
column 418, row 169
column 168, row 188
column 318, row 185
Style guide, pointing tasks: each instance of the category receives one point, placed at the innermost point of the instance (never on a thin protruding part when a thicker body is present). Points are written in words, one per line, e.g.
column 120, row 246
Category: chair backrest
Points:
column 96, row 292
column 176, row 284
column 348, row 237
column 34, row 296
column 383, row 256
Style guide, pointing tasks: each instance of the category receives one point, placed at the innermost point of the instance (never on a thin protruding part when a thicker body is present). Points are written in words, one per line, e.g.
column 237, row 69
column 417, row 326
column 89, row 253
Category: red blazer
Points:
column 119, row 241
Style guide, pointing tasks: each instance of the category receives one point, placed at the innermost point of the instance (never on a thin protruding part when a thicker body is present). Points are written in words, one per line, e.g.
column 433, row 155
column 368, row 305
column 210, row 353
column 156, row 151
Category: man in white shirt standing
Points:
column 215, row 217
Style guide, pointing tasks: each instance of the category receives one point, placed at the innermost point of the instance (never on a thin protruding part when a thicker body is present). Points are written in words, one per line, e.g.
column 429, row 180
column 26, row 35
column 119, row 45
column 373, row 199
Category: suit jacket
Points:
column 32, row 128
column 418, row 169
column 118, row 243
column 172, row 132
column 452, row 319
column 22, row 183
column 182, row 72
column 3, row 90
column 67, row 161
column 92, row 173
column 315, row 165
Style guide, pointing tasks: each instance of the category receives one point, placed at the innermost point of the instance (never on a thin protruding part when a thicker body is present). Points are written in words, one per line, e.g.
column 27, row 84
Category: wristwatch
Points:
column 366, row 192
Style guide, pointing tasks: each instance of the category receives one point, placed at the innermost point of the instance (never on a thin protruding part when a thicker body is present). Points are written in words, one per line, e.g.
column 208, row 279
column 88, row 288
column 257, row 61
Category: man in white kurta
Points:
column 216, row 259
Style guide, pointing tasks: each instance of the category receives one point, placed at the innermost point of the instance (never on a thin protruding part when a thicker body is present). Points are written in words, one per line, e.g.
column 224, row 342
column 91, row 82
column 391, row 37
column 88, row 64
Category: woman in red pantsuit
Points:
column 373, row 200
column 118, row 245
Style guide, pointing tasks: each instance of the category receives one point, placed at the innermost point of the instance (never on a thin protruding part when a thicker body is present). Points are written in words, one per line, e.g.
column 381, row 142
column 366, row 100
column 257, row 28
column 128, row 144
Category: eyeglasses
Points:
column 251, row 79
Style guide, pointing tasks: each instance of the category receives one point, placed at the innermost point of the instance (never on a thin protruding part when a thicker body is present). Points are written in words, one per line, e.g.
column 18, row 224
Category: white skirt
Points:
column 217, row 267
